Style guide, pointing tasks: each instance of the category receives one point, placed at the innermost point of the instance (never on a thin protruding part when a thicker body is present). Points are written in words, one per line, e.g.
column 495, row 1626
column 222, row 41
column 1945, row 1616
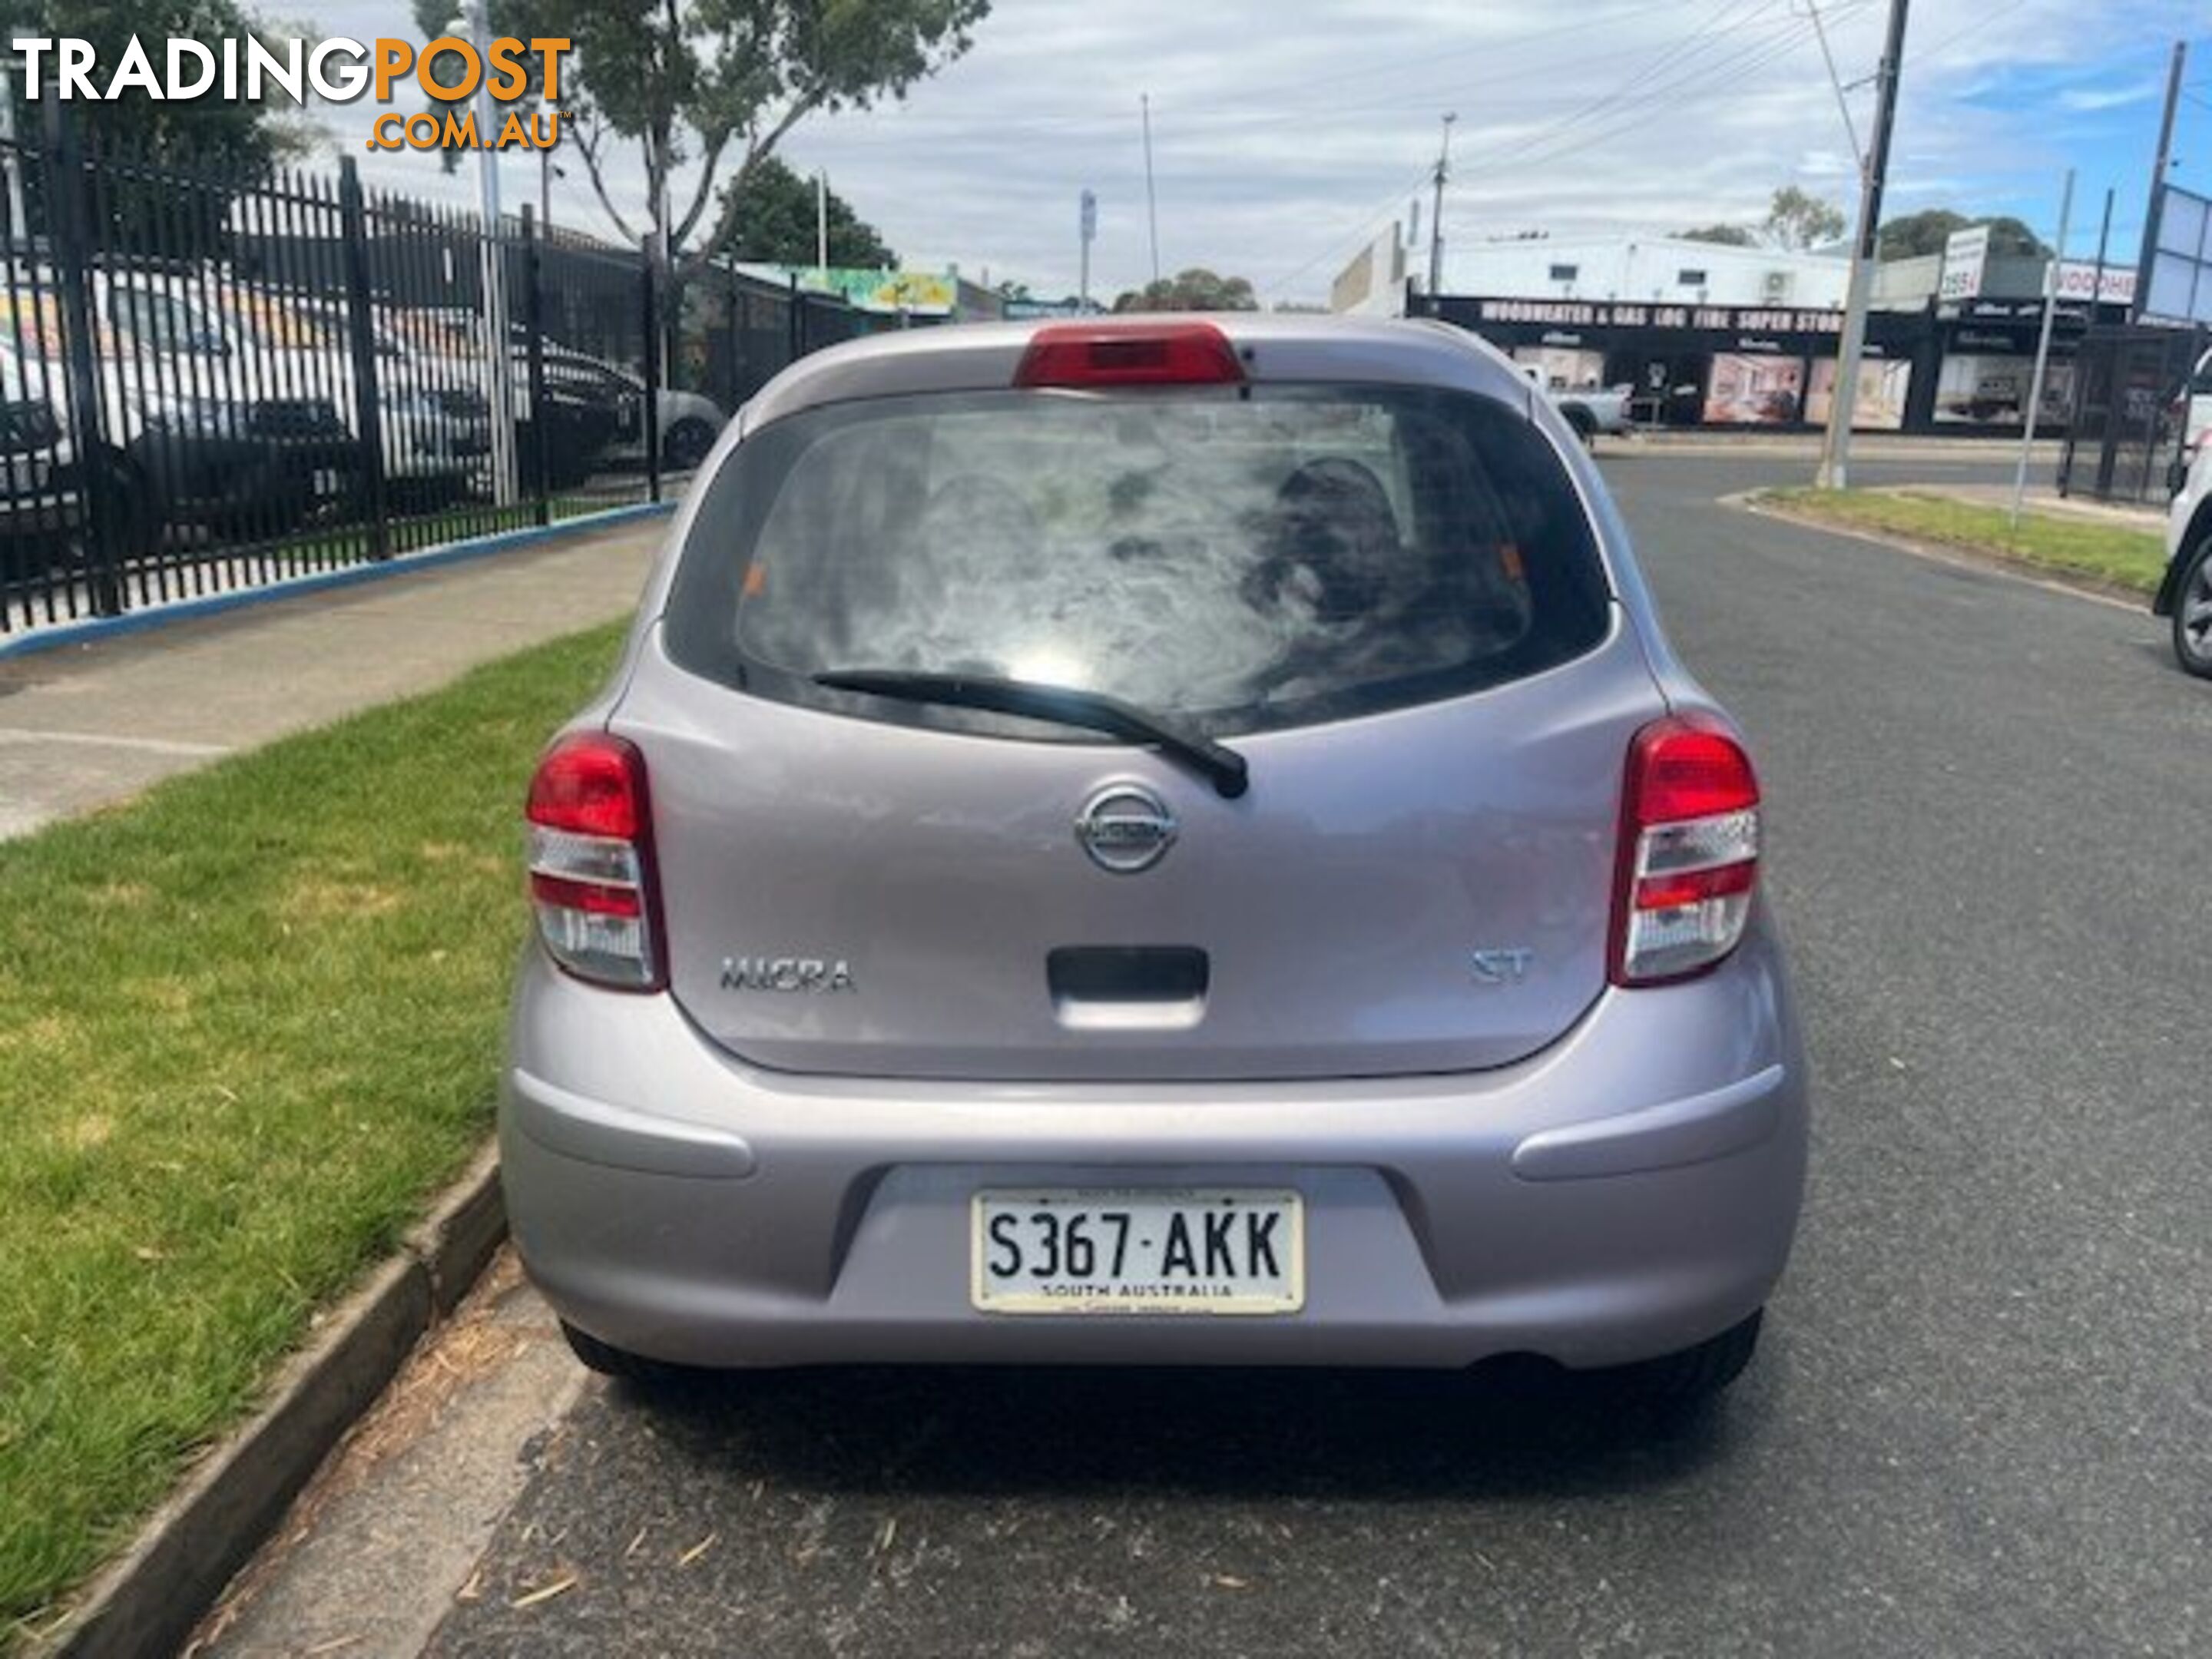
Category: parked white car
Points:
column 1589, row 411
column 187, row 433
column 432, row 422
column 2186, row 594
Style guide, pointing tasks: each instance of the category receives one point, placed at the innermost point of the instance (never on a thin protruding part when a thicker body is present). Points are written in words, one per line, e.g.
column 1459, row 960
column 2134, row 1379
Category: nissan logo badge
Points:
column 1126, row 828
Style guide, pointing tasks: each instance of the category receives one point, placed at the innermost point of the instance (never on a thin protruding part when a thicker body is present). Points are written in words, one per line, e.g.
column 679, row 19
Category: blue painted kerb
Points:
column 477, row 547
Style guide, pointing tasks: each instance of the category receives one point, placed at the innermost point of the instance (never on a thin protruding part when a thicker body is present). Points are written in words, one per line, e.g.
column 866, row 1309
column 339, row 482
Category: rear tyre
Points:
column 1583, row 423
column 620, row 1363
column 2192, row 614
column 1685, row 1378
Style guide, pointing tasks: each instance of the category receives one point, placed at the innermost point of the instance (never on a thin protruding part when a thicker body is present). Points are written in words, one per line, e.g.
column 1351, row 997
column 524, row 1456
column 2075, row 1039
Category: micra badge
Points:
column 786, row 974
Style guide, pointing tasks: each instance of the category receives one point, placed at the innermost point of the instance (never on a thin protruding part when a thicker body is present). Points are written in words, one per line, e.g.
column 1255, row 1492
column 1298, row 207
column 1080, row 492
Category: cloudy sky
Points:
column 1286, row 135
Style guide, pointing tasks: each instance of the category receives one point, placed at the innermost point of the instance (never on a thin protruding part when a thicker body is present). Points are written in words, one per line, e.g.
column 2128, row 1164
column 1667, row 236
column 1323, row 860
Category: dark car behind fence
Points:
column 209, row 384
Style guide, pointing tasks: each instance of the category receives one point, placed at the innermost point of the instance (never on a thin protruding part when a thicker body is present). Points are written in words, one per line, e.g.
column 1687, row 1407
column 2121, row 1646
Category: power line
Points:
column 1581, row 28
column 1369, row 222
column 1627, row 114
column 1000, row 121
column 1677, row 55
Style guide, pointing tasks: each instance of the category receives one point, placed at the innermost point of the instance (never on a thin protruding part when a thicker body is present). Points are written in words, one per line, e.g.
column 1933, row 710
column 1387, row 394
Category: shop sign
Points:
column 1730, row 319
column 1965, row 257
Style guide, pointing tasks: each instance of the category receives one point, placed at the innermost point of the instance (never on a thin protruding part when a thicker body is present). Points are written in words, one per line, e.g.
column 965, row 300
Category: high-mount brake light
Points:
column 1094, row 356
column 1689, row 851
column 591, row 862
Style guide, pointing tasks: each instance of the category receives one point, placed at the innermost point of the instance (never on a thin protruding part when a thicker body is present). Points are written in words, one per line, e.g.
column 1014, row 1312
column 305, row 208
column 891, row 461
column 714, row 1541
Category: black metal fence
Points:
column 209, row 384
column 2131, row 395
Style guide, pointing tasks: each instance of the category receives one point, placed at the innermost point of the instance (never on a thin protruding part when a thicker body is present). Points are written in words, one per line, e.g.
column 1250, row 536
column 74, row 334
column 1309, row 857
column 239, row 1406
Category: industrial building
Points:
column 1707, row 334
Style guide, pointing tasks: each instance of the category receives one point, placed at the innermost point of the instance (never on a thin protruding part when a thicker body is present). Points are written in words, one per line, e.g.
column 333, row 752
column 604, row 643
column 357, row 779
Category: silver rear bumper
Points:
column 1629, row 1192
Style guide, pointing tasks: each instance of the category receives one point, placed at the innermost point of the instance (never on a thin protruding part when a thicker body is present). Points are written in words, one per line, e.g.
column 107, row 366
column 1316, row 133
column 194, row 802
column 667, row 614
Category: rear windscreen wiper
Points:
column 1062, row 705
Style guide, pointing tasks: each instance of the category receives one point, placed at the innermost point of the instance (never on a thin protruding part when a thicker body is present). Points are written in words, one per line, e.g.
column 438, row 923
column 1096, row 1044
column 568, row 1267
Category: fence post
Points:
column 649, row 416
column 360, row 338
column 541, row 486
column 89, row 439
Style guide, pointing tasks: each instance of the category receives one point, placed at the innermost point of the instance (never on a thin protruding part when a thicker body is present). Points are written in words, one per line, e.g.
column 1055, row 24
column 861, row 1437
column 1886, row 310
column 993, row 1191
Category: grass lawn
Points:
column 248, row 1024
column 411, row 532
column 2110, row 553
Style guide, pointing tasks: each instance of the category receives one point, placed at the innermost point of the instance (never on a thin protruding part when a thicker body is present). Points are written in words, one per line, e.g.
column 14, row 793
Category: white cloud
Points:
column 2090, row 100
column 1284, row 131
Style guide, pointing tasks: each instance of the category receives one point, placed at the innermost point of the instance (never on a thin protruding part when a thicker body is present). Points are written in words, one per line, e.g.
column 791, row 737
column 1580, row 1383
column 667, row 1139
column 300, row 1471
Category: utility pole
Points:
column 2104, row 247
column 499, row 349
column 1835, row 449
column 1086, row 232
column 1152, row 202
column 822, row 222
column 2159, row 168
column 2043, row 345
column 1436, row 212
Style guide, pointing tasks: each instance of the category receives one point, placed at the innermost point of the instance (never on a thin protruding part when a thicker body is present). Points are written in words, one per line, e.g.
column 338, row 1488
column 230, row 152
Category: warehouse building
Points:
column 1705, row 334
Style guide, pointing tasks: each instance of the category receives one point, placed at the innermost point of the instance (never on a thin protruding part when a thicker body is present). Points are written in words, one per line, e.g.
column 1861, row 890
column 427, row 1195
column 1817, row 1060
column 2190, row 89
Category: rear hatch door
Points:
column 1387, row 600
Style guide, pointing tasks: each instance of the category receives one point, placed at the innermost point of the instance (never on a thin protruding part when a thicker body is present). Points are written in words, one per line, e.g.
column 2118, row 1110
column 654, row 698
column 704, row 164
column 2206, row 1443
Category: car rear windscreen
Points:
column 1243, row 558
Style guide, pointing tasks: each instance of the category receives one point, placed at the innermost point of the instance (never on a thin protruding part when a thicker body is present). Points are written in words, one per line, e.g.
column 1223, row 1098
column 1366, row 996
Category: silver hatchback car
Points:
column 1163, row 841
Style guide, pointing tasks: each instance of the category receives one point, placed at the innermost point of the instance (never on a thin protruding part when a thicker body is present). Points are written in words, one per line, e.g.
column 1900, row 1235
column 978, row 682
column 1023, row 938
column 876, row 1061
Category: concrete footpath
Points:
column 87, row 725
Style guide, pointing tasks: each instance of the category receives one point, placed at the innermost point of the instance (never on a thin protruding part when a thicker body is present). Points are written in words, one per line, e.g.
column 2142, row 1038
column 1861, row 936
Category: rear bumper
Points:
column 1630, row 1192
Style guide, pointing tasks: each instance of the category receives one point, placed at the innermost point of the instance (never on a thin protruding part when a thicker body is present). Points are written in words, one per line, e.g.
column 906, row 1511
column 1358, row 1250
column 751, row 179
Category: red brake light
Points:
column 1689, row 851
column 1095, row 355
column 1686, row 768
column 589, row 783
column 591, row 862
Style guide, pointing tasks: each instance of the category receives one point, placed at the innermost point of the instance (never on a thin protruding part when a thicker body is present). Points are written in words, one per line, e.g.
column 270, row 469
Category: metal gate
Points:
column 2130, row 403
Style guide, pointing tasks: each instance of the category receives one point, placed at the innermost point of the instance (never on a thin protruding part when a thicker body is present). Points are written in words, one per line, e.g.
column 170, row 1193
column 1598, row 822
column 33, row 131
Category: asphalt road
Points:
column 1982, row 1419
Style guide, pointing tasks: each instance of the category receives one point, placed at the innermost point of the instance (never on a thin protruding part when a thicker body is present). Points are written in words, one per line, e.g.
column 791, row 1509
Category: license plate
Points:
column 1144, row 1250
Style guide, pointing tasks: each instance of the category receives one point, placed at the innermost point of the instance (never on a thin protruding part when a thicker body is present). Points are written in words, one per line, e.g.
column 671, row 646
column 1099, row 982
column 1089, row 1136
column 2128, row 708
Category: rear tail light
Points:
column 591, row 862
column 1108, row 355
column 1689, row 851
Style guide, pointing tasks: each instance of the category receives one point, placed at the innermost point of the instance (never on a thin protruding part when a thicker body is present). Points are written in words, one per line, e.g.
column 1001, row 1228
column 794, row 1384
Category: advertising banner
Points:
column 1965, row 257
column 1755, row 391
column 922, row 292
column 1884, row 383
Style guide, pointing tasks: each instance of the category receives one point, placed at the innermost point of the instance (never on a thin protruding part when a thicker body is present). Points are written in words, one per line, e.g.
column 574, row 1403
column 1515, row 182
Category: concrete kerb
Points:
column 160, row 616
column 149, row 1599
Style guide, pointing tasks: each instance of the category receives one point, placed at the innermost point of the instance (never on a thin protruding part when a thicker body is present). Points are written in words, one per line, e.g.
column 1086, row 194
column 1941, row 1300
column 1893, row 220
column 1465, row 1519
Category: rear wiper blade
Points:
column 1063, row 705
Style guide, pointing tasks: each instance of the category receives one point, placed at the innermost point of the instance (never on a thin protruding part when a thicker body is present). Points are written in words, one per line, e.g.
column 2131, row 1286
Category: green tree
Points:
column 225, row 145
column 1725, row 235
column 1196, row 289
column 707, row 89
column 1914, row 234
column 1797, row 221
column 775, row 223
column 231, row 138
